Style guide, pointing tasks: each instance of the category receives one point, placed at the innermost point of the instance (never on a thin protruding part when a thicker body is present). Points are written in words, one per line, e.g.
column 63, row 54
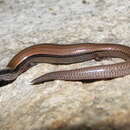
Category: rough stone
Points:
column 100, row 105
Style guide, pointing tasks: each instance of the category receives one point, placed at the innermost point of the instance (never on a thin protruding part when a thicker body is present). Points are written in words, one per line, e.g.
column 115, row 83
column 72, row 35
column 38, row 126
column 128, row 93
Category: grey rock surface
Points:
column 101, row 105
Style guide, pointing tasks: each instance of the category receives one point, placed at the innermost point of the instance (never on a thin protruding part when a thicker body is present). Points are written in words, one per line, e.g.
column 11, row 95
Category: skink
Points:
column 68, row 54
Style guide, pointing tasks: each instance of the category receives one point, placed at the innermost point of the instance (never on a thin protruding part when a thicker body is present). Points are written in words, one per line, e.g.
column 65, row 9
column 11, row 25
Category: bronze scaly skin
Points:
column 68, row 54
